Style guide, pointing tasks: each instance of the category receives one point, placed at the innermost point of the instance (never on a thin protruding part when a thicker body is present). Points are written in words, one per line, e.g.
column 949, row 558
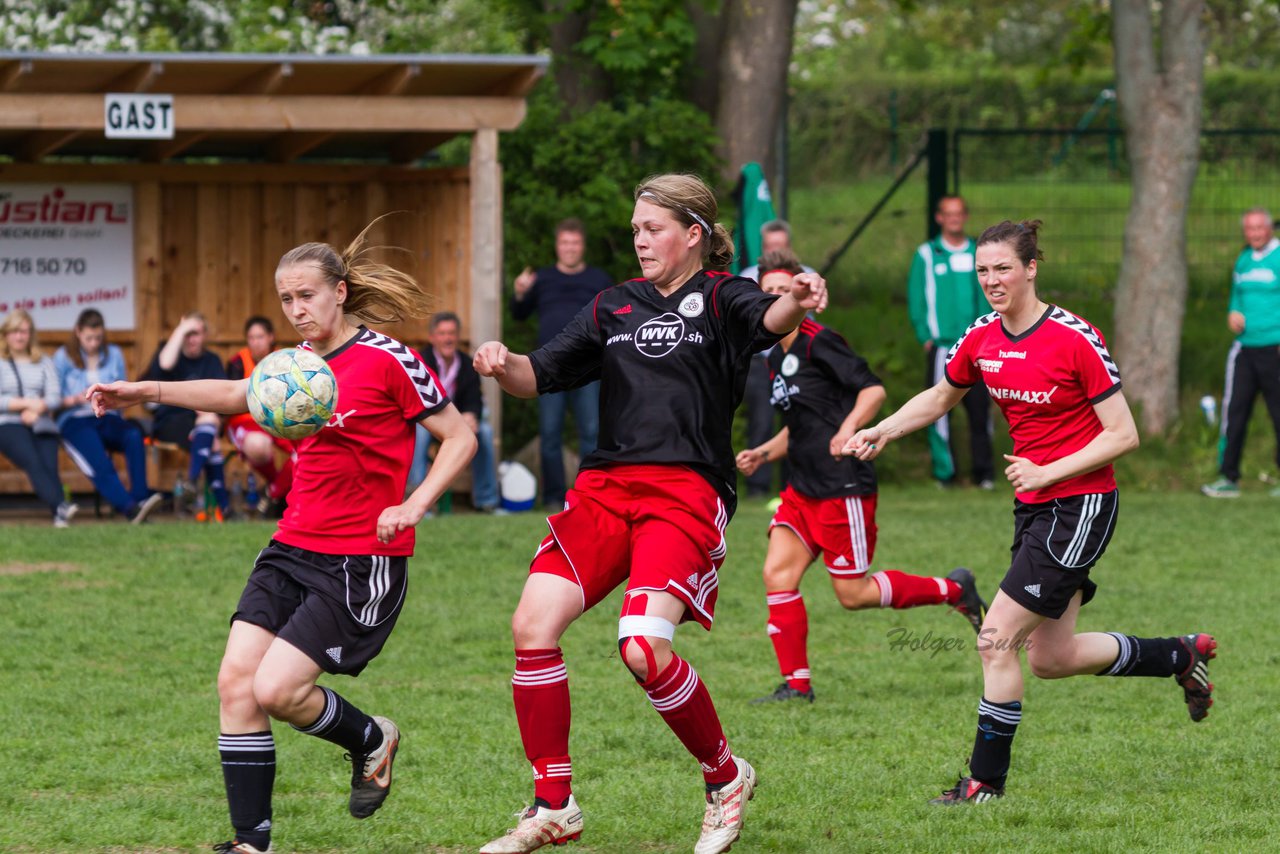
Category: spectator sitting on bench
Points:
column 84, row 360
column 460, row 381
column 28, row 393
column 181, row 358
column 257, row 446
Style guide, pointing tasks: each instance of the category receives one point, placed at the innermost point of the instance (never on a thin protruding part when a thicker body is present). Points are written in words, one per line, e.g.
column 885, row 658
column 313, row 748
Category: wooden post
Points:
column 486, row 255
column 148, row 307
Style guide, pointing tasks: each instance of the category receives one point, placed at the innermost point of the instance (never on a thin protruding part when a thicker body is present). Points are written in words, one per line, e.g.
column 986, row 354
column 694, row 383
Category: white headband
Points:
column 706, row 229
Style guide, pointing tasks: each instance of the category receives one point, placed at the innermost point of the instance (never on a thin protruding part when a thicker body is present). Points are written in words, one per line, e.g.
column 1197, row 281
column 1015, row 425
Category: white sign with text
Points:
column 138, row 116
column 65, row 248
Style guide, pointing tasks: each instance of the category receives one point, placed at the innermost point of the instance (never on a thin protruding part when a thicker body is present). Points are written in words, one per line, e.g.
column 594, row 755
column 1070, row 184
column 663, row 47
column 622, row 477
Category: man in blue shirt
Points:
column 556, row 294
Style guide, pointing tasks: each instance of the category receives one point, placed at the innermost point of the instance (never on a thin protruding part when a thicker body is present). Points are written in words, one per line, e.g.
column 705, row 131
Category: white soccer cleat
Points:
column 722, row 822
column 371, row 773
column 539, row 826
column 235, row 846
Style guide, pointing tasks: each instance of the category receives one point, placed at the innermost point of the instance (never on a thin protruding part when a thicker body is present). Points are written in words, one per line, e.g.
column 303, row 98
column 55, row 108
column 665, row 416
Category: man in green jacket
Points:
column 1253, row 363
column 944, row 297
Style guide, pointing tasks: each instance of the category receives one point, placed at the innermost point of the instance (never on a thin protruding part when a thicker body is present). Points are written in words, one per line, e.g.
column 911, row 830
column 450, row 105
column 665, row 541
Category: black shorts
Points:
column 1055, row 543
column 337, row 609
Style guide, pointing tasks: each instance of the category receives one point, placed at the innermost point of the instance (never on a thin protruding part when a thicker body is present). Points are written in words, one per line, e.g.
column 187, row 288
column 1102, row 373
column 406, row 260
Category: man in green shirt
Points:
column 1253, row 363
column 943, row 297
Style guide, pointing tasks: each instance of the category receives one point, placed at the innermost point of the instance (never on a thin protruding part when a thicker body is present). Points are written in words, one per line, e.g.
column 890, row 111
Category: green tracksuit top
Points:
column 943, row 296
column 1255, row 293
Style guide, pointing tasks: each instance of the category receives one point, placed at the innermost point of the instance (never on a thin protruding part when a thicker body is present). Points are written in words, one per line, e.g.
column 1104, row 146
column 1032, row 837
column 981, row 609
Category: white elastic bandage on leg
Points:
column 641, row 626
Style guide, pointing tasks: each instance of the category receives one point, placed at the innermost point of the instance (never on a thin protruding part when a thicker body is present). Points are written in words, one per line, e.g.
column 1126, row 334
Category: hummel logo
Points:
column 840, row 561
column 626, row 309
column 1033, row 589
column 334, row 652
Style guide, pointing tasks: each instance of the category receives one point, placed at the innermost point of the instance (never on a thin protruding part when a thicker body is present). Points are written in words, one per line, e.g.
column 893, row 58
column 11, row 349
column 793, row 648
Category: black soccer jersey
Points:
column 672, row 370
column 815, row 384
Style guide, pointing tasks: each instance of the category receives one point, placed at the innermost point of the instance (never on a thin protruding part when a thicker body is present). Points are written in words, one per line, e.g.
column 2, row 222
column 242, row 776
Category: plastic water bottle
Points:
column 1209, row 406
column 177, row 492
column 251, row 491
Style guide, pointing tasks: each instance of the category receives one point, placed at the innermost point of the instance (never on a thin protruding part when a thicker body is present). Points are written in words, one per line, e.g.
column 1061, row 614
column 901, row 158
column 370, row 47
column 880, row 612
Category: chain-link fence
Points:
column 1077, row 182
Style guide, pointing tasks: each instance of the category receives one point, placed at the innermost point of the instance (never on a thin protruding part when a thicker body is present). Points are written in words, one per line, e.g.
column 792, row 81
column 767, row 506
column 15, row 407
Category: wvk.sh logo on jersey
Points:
column 657, row 337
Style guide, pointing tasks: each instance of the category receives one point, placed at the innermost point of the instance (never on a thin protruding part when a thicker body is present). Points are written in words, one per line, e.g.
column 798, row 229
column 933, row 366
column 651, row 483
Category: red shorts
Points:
column 843, row 529
column 241, row 425
column 657, row 527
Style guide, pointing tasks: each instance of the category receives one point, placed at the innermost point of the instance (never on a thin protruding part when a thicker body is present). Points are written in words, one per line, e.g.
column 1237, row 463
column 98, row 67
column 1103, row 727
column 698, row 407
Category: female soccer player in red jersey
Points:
column 1051, row 375
column 325, row 593
column 649, row 508
column 825, row 392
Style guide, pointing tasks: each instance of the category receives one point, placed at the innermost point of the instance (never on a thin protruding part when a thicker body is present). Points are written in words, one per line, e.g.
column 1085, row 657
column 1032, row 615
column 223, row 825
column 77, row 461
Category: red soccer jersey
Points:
column 1046, row 381
column 356, row 467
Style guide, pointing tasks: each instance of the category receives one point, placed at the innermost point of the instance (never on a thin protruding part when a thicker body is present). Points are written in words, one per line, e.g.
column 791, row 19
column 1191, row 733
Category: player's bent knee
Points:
column 277, row 697
column 1048, row 665
column 857, row 594
column 235, row 686
column 529, row 629
column 645, row 644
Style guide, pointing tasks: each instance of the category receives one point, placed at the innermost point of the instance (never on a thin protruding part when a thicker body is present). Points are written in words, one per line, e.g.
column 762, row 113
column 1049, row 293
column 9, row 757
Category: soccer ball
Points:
column 292, row 393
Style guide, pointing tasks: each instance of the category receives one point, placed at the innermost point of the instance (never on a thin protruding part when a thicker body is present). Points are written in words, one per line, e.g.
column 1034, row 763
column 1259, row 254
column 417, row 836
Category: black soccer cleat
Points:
column 782, row 693
column 970, row 605
column 1196, row 687
column 968, row 791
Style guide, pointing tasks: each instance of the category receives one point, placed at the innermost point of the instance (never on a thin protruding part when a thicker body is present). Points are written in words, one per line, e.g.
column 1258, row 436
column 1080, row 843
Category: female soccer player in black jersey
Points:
column 649, row 508
column 1050, row 373
column 825, row 392
column 325, row 593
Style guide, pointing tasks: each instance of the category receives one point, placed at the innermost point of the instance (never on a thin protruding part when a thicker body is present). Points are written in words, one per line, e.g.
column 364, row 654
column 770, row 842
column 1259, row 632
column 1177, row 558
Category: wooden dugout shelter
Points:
column 266, row 152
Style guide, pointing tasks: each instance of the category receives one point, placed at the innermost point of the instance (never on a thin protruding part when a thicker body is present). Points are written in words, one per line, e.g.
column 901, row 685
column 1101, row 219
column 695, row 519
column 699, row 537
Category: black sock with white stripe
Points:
column 249, row 772
column 997, row 724
column 1148, row 657
column 344, row 725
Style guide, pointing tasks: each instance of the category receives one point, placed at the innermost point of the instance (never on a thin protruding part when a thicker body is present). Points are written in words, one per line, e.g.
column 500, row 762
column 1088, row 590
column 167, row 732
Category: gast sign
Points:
column 139, row 116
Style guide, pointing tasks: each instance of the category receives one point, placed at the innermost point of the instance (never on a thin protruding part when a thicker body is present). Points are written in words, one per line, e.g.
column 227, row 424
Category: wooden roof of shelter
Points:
column 274, row 108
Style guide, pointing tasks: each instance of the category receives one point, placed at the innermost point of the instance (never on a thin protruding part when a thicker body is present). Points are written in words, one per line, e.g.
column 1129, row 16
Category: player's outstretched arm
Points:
column 513, row 371
column 774, row 449
column 225, row 397
column 457, row 447
column 808, row 293
column 920, row 411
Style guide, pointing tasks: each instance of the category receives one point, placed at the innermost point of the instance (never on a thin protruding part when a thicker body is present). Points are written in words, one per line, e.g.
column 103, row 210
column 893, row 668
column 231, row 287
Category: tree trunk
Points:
column 1161, row 105
column 579, row 81
column 754, row 60
column 709, row 28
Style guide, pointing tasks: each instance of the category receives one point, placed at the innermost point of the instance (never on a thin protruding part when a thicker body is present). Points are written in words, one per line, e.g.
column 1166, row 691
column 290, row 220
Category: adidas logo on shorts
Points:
column 840, row 561
column 1033, row 589
column 334, row 652
column 692, row 581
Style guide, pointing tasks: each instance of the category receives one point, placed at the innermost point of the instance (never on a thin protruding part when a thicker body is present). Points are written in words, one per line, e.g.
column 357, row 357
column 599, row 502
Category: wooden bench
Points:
column 166, row 463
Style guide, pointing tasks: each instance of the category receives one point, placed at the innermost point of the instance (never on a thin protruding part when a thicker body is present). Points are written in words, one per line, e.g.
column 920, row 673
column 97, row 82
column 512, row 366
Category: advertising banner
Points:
column 65, row 248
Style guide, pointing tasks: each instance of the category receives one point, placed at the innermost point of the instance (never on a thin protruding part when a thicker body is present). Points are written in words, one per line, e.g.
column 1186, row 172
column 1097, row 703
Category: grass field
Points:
column 108, row 713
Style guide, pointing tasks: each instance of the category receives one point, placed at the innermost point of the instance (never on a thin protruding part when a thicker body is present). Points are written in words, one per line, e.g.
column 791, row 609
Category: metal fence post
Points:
column 936, row 180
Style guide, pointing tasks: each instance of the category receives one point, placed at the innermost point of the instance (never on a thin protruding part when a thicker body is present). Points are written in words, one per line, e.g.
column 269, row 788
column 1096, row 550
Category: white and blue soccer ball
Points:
column 292, row 393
